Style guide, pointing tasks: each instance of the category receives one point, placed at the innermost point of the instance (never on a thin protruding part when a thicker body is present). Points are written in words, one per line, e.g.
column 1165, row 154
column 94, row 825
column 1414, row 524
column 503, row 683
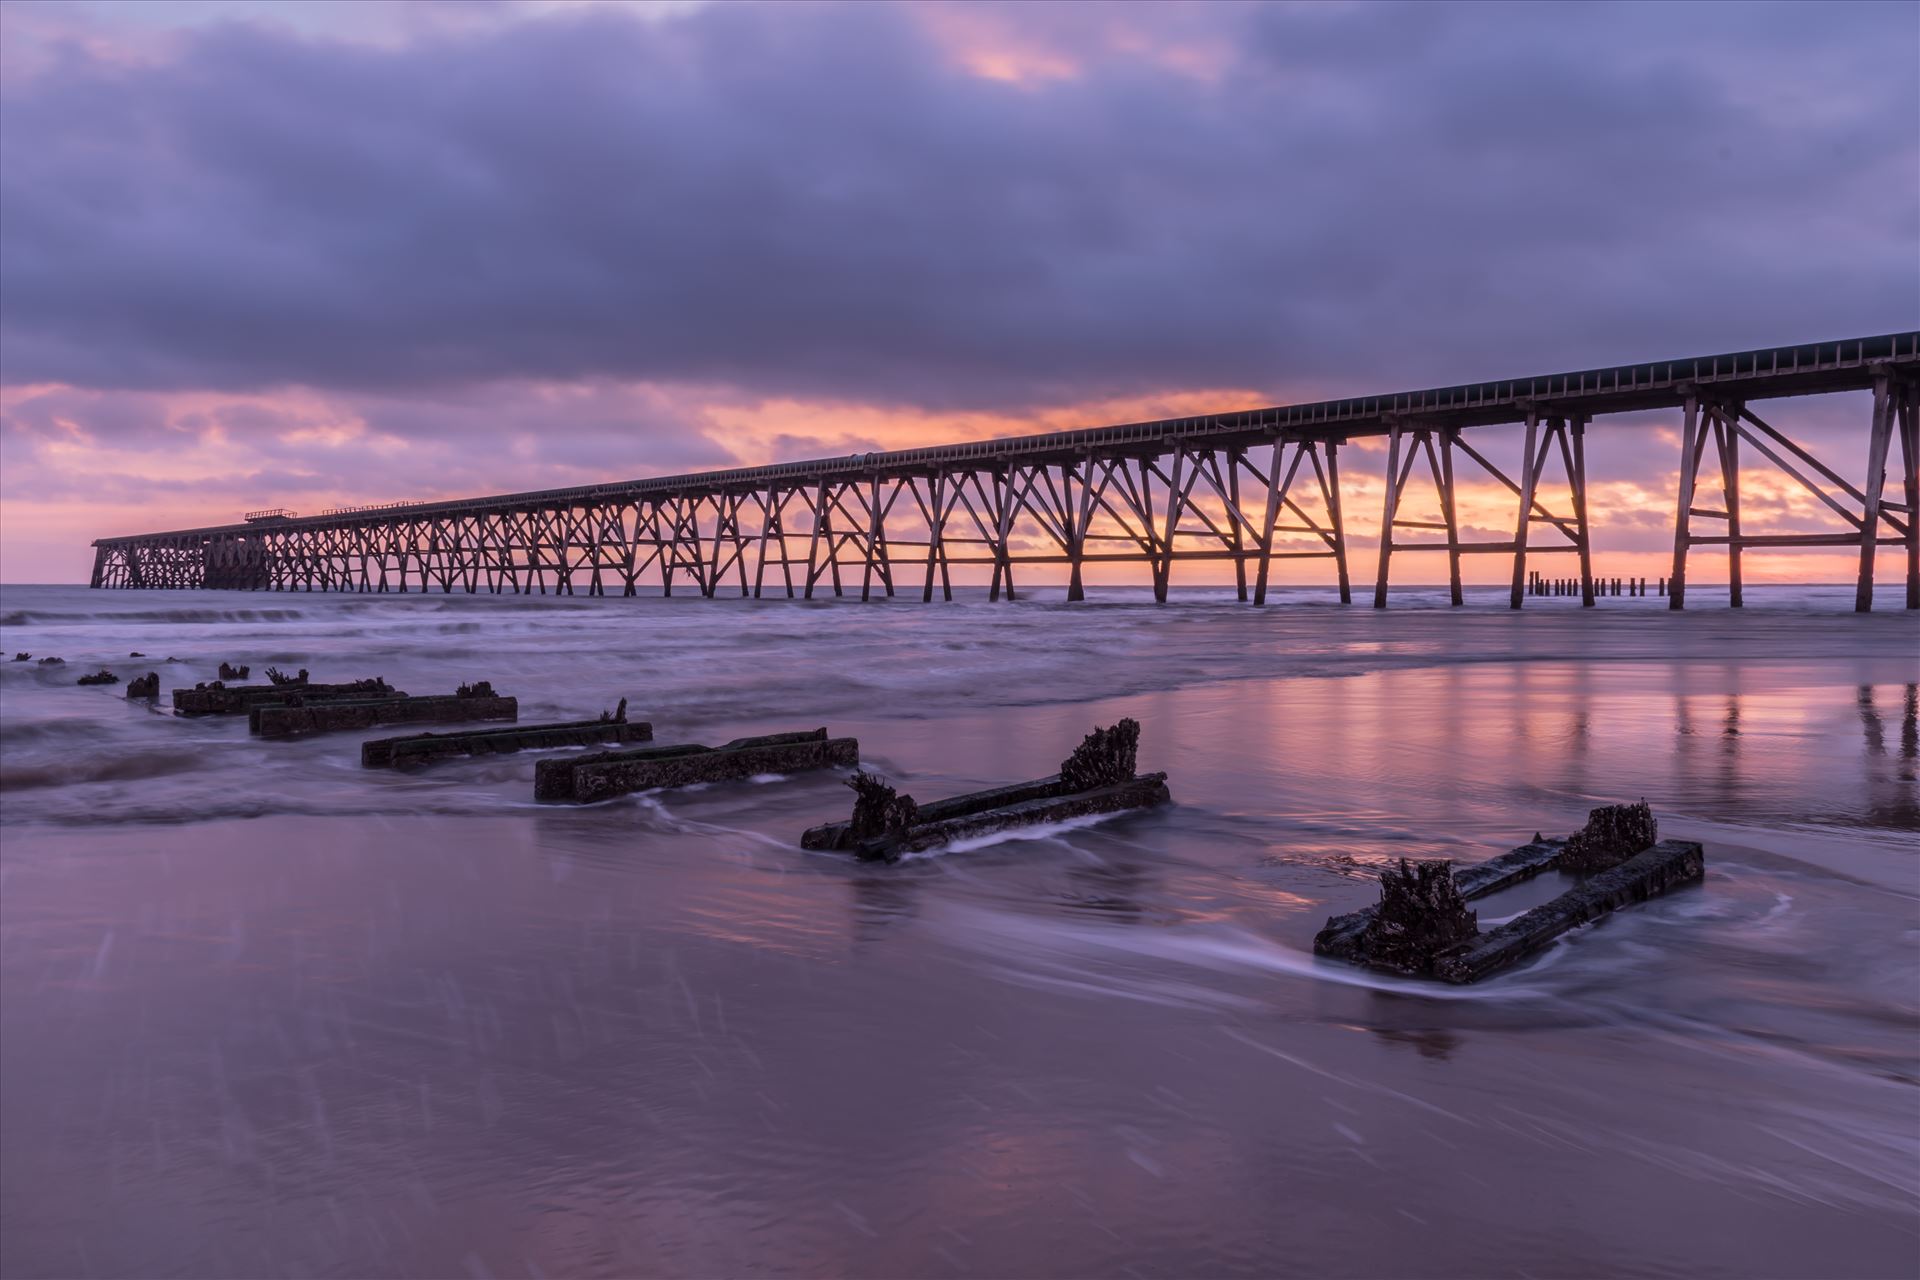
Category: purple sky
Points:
column 306, row 254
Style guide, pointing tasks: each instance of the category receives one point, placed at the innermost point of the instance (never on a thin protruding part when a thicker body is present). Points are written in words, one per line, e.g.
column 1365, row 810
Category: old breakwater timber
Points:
column 295, row 717
column 1098, row 778
column 1245, row 488
column 423, row 748
column 1421, row 926
column 582, row 779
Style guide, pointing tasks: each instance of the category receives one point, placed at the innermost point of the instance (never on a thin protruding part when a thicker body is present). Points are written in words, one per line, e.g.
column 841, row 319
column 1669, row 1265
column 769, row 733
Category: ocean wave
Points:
column 134, row 767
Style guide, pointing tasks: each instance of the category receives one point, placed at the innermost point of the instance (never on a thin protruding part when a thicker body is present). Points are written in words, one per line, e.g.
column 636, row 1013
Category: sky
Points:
column 313, row 254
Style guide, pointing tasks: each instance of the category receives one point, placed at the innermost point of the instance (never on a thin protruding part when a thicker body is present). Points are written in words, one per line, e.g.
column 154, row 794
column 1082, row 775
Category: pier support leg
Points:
column 1577, row 428
column 936, row 521
column 1727, row 432
column 1077, row 539
column 813, row 543
column 1876, row 483
column 1339, row 525
column 1689, row 432
column 1163, row 570
column 1391, row 502
column 1909, row 415
column 1235, row 520
column 873, row 539
column 1450, row 511
column 1268, row 521
column 1003, row 527
column 1529, row 469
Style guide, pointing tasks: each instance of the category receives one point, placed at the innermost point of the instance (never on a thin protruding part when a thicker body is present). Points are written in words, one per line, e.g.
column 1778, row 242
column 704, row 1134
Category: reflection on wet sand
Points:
column 1895, row 799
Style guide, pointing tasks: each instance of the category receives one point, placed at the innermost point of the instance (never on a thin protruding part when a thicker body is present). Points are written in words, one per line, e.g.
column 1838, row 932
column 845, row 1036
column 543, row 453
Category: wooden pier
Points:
column 1243, row 489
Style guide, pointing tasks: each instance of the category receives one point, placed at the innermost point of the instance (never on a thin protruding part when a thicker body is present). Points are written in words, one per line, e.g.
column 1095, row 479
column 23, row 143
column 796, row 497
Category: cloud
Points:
column 862, row 203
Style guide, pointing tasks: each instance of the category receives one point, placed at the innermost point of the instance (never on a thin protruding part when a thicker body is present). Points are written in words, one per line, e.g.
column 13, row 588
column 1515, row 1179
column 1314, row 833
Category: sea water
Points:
column 266, row 1013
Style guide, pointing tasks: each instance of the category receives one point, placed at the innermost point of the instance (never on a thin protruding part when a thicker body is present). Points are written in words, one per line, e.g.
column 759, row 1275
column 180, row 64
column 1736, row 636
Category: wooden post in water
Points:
column 1527, row 473
column 1909, row 414
column 1271, row 517
column 1578, row 428
column 1386, row 516
column 1876, row 483
column 1339, row 526
column 1689, row 431
column 1455, row 594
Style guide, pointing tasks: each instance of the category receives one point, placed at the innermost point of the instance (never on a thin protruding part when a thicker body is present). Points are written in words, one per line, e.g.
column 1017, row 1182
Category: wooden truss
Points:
column 1872, row 520
column 1409, row 443
column 1159, row 501
column 1247, row 505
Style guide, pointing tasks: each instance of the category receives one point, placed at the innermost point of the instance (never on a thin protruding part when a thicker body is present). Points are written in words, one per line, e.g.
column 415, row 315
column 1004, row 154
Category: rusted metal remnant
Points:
column 1421, row 926
column 421, row 747
column 599, row 775
column 298, row 715
column 1097, row 778
column 146, row 686
column 217, row 699
column 102, row 676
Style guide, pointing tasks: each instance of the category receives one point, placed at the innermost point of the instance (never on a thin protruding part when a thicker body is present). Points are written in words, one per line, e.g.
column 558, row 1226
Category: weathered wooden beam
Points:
column 839, row 835
column 1689, row 453
column 601, row 775
column 1389, row 503
column 1141, row 792
column 218, row 699
column 1097, row 778
column 1340, row 939
column 1667, row 865
column 420, row 748
column 1421, row 926
column 1878, row 436
column 275, row 720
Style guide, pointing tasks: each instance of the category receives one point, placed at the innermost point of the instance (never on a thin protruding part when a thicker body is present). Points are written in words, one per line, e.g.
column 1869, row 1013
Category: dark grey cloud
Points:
column 792, row 200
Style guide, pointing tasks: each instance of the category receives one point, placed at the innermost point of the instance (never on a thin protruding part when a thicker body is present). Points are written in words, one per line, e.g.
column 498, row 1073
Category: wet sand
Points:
column 265, row 1013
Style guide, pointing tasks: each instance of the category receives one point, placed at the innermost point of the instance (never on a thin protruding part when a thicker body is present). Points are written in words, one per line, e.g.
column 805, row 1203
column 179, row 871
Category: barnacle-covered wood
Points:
column 298, row 717
column 599, row 775
column 421, row 747
column 878, row 809
column 1421, row 914
column 1421, row 906
column 1613, row 833
column 1670, row 864
column 217, row 699
column 1341, row 938
column 1104, row 757
column 1097, row 778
